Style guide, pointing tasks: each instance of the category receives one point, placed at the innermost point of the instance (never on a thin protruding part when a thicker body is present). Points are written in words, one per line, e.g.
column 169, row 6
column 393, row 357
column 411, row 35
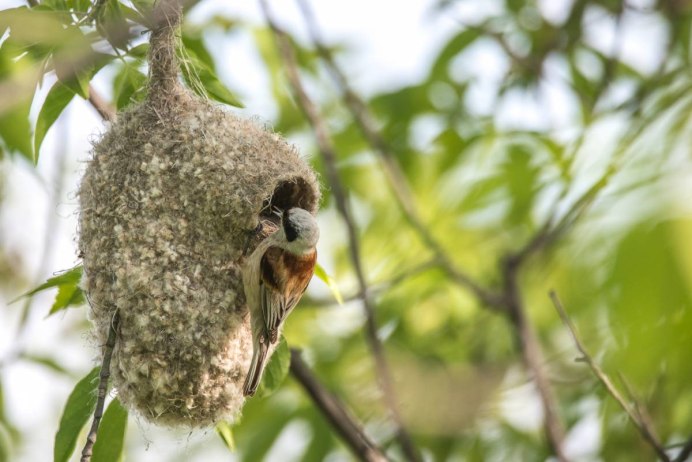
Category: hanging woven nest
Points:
column 168, row 205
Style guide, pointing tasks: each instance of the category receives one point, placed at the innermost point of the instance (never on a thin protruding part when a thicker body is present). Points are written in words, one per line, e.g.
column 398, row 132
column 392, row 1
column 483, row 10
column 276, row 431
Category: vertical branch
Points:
column 395, row 176
column 104, row 375
column 335, row 412
column 532, row 355
column 328, row 153
column 641, row 424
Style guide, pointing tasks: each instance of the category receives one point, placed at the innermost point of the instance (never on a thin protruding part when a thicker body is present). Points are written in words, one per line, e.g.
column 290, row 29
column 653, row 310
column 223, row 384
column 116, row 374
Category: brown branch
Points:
column 329, row 155
column 335, row 412
column 642, row 426
column 105, row 109
column 395, row 176
column 685, row 453
column 104, row 375
column 532, row 355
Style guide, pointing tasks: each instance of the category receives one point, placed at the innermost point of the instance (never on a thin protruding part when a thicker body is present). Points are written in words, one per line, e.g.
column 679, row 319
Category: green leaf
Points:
column 111, row 436
column 276, row 370
column 225, row 431
column 80, row 406
column 455, row 46
column 200, row 76
column 111, row 23
column 45, row 361
column 76, row 62
column 327, row 279
column 128, row 86
column 144, row 7
column 69, row 277
column 5, row 444
column 139, row 52
column 15, row 130
column 521, row 178
column 57, row 100
column 68, row 295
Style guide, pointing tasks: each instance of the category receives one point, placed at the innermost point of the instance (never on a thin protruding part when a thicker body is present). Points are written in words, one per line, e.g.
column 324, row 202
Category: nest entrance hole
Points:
column 296, row 192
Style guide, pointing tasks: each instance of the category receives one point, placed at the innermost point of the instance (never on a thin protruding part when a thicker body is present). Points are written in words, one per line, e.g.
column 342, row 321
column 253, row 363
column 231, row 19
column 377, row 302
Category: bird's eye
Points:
column 290, row 230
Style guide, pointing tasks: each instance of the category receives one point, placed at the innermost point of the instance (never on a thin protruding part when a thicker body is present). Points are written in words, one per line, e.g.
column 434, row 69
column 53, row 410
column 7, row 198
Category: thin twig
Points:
column 335, row 412
column 643, row 428
column 104, row 375
column 685, row 453
column 532, row 355
column 378, row 288
column 395, row 176
column 328, row 153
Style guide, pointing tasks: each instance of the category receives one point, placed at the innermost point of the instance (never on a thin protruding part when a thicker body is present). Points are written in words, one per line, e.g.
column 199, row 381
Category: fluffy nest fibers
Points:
column 169, row 203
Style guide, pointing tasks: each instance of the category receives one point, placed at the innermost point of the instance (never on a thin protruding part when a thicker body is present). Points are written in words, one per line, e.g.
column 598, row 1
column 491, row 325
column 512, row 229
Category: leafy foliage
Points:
column 111, row 436
column 69, row 293
column 78, row 409
column 485, row 182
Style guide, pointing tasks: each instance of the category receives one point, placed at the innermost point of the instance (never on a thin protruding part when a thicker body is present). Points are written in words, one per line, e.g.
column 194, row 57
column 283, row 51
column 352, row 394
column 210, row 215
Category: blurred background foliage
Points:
column 569, row 130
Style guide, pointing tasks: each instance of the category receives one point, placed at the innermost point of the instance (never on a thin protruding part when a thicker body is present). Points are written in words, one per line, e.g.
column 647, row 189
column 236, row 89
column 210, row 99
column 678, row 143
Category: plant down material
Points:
column 169, row 203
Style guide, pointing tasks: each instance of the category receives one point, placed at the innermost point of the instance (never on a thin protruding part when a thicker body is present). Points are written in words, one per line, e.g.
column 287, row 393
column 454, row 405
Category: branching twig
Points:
column 642, row 426
column 328, row 153
column 104, row 375
column 396, row 177
column 334, row 411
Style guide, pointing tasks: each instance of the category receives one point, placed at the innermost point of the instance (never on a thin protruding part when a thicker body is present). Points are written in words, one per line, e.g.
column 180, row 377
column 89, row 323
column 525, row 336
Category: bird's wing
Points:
column 284, row 279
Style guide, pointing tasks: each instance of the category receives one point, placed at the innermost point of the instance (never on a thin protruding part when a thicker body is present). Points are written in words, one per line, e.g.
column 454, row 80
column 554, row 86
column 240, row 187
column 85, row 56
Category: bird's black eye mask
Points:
column 289, row 230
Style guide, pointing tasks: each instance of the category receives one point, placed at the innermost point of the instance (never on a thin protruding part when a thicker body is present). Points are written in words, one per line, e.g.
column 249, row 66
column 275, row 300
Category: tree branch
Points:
column 395, row 176
column 685, row 453
column 329, row 155
column 532, row 355
column 105, row 110
column 104, row 375
column 335, row 412
column 641, row 424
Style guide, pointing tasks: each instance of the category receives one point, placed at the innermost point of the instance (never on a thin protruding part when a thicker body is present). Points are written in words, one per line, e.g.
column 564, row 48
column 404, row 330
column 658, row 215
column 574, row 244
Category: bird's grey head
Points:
column 300, row 230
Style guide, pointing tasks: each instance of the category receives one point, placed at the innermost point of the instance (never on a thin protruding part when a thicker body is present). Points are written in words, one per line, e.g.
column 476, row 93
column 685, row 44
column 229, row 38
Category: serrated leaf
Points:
column 277, row 369
column 79, row 407
column 225, row 431
column 57, row 100
column 327, row 279
column 69, row 277
column 111, row 435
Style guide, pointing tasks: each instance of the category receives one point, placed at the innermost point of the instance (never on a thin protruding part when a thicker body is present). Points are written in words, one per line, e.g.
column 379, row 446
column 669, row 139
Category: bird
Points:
column 275, row 277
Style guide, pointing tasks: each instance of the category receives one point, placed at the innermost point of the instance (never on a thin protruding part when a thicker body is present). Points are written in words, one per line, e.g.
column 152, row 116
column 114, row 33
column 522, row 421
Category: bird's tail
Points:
column 254, row 375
